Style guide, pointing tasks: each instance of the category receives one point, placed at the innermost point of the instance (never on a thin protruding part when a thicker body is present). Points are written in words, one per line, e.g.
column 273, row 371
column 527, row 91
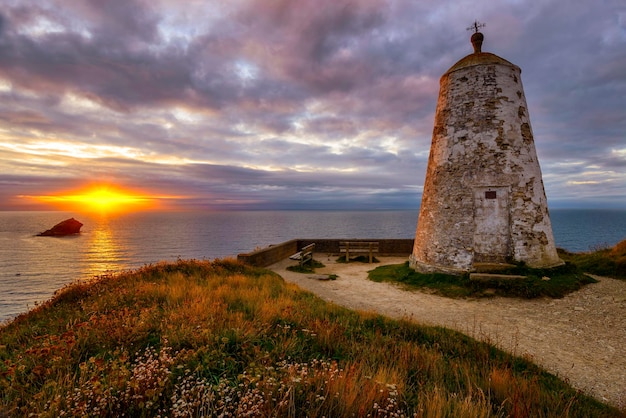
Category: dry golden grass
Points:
column 218, row 338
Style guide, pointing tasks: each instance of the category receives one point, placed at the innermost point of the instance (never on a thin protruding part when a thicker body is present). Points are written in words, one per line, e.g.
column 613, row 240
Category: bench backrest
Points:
column 308, row 248
column 359, row 245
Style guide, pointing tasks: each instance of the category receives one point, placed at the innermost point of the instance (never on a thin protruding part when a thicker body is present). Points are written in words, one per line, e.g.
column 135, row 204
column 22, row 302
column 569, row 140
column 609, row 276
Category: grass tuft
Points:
column 554, row 283
column 358, row 259
column 308, row 267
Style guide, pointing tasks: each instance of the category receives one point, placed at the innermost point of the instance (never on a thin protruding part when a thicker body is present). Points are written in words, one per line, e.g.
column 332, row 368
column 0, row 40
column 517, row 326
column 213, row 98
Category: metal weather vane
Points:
column 477, row 25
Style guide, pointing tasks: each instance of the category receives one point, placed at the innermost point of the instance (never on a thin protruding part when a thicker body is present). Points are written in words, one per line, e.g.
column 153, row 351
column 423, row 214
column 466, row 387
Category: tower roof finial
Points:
column 476, row 25
column 477, row 37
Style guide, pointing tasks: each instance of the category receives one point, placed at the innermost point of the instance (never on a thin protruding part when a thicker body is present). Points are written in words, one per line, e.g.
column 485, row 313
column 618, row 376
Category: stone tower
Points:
column 483, row 199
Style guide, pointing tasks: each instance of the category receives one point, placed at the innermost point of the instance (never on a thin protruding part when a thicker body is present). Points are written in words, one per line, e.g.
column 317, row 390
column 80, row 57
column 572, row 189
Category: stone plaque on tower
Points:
column 483, row 198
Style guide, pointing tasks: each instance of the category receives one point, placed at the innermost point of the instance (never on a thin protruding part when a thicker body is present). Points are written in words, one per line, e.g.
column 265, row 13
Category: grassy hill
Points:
column 609, row 261
column 218, row 338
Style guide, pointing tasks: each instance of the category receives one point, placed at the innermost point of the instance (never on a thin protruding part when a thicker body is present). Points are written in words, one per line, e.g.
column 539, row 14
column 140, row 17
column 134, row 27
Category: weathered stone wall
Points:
column 269, row 255
column 483, row 198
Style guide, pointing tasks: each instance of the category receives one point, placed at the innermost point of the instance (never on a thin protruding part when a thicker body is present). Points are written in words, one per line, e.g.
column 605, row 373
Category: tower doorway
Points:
column 492, row 232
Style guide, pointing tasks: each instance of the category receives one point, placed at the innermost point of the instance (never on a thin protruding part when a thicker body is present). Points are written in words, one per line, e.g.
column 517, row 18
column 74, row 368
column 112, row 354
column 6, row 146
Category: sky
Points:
column 285, row 104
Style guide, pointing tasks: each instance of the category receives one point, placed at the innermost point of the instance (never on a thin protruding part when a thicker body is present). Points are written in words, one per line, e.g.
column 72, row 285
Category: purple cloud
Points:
column 292, row 103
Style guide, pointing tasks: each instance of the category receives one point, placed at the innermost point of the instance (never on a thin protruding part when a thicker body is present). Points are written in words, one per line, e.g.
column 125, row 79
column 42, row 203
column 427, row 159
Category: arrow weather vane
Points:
column 477, row 25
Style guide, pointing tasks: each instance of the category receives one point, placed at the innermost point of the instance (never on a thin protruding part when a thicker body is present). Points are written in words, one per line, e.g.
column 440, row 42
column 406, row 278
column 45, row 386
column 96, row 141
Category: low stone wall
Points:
column 270, row 255
column 274, row 253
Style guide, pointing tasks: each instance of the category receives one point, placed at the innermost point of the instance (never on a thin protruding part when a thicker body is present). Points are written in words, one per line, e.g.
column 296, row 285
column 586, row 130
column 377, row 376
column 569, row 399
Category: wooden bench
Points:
column 304, row 255
column 358, row 247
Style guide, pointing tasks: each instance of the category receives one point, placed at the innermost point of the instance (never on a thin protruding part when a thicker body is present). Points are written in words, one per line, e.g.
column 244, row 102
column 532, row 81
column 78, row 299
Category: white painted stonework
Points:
column 483, row 199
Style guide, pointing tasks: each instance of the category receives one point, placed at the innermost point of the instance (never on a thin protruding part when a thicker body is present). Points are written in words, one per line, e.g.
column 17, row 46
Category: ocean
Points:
column 32, row 268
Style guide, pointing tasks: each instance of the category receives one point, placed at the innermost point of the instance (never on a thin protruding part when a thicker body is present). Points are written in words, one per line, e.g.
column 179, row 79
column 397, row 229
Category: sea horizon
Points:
column 32, row 268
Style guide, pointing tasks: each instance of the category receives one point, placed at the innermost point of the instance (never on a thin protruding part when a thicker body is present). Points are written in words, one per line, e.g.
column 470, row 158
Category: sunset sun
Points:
column 107, row 199
column 102, row 199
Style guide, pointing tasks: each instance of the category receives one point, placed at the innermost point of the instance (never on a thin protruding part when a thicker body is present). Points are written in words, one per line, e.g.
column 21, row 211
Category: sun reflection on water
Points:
column 105, row 252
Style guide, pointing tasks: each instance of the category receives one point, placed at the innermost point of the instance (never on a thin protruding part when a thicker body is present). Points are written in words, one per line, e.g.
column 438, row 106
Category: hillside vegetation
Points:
column 609, row 262
column 218, row 338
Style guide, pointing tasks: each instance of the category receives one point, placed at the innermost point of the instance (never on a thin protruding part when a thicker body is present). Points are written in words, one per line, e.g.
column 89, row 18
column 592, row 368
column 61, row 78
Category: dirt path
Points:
column 580, row 338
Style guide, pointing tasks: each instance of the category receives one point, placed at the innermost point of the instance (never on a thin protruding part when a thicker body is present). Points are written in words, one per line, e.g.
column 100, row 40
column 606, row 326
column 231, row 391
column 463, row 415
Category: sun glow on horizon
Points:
column 104, row 198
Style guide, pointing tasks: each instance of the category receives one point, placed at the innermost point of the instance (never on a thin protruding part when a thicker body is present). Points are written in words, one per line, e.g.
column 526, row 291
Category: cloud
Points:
column 283, row 103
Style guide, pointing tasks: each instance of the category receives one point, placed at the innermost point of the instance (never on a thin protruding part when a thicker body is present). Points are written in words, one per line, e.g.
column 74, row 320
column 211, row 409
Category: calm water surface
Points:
column 32, row 268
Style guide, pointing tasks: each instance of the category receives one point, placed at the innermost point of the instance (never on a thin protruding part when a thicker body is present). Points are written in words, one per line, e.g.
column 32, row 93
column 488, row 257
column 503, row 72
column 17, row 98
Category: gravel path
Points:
column 580, row 338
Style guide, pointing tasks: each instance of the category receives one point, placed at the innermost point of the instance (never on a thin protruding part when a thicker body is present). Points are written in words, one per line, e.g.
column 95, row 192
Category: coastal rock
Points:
column 67, row 227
